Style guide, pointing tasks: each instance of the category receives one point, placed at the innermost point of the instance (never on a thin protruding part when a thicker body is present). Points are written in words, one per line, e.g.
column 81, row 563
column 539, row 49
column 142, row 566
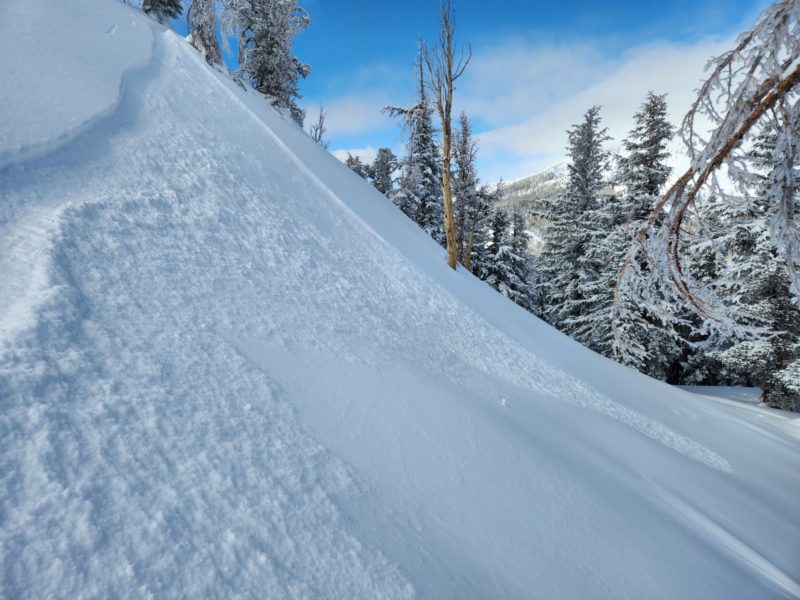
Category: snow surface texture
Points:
column 230, row 367
column 54, row 88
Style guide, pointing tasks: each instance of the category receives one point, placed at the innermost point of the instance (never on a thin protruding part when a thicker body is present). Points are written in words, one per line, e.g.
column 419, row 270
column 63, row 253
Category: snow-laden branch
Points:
column 749, row 88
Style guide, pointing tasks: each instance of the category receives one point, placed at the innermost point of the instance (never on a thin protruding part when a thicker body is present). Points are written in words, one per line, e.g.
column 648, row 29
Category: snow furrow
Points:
column 28, row 228
column 51, row 103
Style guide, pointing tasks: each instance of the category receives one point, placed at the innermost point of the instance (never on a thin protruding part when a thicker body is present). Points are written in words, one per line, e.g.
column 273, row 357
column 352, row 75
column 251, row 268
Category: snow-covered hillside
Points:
column 229, row 367
column 533, row 197
column 535, row 192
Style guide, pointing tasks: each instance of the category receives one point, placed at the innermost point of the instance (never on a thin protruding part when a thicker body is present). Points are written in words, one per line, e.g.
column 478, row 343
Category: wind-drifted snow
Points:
column 230, row 367
column 61, row 69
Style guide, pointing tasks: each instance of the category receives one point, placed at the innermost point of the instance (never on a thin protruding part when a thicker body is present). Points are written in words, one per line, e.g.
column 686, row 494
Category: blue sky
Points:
column 537, row 65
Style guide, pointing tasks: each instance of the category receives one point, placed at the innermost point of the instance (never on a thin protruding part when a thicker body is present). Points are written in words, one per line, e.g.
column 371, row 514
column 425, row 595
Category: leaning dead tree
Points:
column 444, row 70
column 751, row 87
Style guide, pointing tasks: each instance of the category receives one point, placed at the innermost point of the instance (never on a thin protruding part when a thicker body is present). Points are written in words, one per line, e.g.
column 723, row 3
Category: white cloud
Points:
column 353, row 114
column 507, row 82
column 534, row 137
column 367, row 155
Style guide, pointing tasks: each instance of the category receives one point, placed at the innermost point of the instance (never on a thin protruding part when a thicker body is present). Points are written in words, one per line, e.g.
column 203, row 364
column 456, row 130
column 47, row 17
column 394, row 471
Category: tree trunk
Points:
column 449, row 223
column 443, row 73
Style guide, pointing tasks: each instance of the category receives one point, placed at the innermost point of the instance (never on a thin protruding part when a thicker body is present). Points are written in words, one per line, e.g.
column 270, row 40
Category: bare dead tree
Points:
column 318, row 129
column 444, row 70
column 752, row 83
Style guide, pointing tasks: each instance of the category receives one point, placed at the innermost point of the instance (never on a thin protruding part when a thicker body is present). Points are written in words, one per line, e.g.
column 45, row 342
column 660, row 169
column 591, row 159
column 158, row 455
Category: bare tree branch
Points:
column 318, row 129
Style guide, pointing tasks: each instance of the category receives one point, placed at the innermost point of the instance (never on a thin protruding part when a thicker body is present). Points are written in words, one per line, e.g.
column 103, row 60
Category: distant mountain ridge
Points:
column 532, row 193
column 531, row 196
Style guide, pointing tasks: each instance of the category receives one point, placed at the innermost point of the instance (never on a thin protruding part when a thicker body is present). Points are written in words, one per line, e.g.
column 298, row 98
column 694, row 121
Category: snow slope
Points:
column 228, row 367
column 736, row 393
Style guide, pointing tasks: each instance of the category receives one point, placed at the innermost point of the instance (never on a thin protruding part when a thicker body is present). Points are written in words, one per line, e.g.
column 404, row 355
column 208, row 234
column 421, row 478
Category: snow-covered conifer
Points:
column 202, row 20
column 752, row 84
column 357, row 166
column 567, row 236
column 420, row 184
column 521, row 286
column 644, row 167
column 382, row 170
column 507, row 266
column 163, row 10
column 643, row 335
column 478, row 242
column 739, row 261
column 465, row 189
column 495, row 270
column 590, row 318
column 266, row 30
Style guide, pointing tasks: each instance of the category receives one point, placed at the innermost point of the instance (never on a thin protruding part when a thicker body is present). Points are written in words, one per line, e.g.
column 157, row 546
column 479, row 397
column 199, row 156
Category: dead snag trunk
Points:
column 444, row 71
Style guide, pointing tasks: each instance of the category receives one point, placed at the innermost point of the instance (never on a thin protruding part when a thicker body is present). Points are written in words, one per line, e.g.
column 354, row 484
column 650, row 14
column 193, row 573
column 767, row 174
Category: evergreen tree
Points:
column 495, row 270
column 588, row 239
column 766, row 361
column 403, row 196
column 266, row 30
column 426, row 176
column 567, row 236
column 745, row 270
column 382, row 171
column 479, row 240
column 645, row 169
column 649, row 332
column 785, row 390
column 592, row 319
column 508, row 265
column 358, row 167
column 420, row 185
column 163, row 10
column 465, row 189
column 521, row 285
column 202, row 20
column 647, row 335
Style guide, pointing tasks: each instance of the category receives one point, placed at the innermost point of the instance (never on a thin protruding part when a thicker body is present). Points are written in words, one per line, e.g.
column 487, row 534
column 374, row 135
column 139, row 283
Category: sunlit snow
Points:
column 228, row 366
